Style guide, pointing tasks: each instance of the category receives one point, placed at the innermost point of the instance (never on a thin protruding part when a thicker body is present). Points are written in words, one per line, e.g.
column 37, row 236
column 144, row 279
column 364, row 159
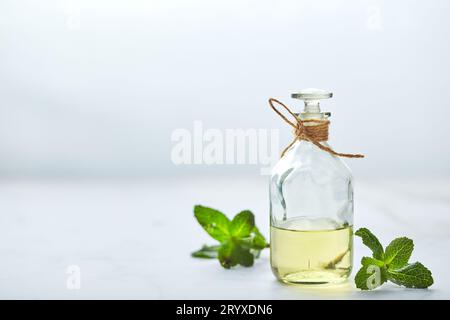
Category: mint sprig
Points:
column 390, row 264
column 240, row 240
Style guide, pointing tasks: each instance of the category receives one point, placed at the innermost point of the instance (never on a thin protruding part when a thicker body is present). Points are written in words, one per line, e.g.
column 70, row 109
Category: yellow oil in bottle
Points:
column 311, row 251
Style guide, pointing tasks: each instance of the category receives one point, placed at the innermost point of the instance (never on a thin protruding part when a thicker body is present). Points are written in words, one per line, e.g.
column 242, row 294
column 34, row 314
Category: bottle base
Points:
column 312, row 277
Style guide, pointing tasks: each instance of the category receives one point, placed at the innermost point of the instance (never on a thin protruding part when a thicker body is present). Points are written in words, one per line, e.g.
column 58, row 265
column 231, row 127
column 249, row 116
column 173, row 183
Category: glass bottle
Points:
column 311, row 209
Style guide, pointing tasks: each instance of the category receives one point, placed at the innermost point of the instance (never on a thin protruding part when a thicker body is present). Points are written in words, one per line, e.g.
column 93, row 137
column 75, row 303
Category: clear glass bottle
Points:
column 311, row 209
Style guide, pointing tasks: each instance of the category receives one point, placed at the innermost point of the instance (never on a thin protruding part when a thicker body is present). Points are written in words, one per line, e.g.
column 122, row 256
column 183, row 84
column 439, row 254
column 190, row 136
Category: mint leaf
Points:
column 228, row 256
column 242, row 224
column 214, row 222
column 414, row 275
column 258, row 240
column 398, row 252
column 372, row 242
column 255, row 243
column 232, row 254
column 366, row 261
column 206, row 252
column 244, row 256
column 391, row 264
column 240, row 240
column 371, row 275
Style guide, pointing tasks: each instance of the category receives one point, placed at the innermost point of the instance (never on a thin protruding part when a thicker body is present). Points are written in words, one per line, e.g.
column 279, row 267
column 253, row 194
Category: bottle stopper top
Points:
column 311, row 98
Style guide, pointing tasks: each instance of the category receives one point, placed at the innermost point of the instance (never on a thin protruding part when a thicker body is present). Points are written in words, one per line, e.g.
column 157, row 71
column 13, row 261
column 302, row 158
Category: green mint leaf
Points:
column 414, row 275
column 258, row 240
column 214, row 222
column 398, row 252
column 240, row 240
column 372, row 242
column 254, row 243
column 206, row 252
column 231, row 253
column 242, row 224
column 249, row 245
column 371, row 275
column 366, row 261
column 227, row 254
column 393, row 264
column 244, row 256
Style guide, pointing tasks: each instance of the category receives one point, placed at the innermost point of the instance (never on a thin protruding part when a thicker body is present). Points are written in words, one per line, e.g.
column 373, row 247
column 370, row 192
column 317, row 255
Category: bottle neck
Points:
column 312, row 106
column 305, row 115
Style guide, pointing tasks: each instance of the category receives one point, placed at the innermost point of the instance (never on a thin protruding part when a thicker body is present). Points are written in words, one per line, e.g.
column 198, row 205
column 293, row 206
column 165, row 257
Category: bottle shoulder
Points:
column 305, row 157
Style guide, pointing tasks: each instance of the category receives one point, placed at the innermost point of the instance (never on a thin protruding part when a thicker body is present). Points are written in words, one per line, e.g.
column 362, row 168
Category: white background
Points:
column 95, row 88
column 91, row 91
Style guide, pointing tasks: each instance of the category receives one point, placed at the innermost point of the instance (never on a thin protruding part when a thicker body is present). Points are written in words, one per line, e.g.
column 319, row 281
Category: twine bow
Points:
column 313, row 133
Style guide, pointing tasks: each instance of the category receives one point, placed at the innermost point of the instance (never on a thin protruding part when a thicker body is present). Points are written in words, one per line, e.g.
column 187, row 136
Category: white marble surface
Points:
column 132, row 239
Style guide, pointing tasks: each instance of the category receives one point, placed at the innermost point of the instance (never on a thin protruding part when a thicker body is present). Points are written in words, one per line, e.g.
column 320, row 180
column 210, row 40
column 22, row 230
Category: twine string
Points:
column 313, row 133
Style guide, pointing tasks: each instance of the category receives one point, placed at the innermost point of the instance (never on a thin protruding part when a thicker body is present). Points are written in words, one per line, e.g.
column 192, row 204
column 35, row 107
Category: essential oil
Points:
column 307, row 250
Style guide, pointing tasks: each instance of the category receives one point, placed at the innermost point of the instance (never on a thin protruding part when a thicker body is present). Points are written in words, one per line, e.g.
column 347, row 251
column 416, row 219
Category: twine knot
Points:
column 312, row 130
